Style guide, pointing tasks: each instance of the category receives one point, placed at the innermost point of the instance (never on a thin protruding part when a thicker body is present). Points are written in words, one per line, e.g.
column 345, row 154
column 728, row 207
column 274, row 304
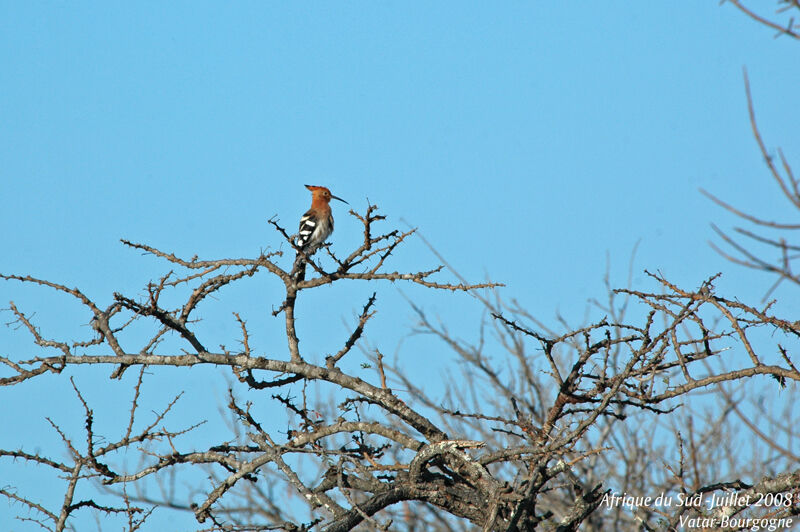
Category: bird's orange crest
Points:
column 321, row 194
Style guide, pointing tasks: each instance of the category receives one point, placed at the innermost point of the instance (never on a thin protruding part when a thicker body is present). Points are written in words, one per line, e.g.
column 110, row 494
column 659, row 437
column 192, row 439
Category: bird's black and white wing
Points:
column 308, row 224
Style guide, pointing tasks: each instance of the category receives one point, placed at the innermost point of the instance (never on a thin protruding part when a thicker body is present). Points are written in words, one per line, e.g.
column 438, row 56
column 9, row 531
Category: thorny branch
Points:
column 789, row 28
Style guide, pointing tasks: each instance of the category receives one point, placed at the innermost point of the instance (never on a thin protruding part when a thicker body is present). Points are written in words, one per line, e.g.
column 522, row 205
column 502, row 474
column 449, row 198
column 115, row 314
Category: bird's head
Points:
column 323, row 194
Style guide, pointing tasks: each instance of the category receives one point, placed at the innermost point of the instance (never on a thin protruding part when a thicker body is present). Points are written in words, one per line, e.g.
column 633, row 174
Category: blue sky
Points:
column 528, row 142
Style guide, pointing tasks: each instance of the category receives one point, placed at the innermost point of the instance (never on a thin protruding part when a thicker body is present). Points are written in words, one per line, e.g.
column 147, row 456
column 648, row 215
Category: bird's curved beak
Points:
column 340, row 199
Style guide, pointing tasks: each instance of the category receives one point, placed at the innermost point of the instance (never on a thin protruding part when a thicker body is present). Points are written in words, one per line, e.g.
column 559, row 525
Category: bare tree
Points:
column 531, row 441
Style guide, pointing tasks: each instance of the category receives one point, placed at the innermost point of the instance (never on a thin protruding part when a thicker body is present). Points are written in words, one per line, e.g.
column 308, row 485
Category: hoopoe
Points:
column 316, row 226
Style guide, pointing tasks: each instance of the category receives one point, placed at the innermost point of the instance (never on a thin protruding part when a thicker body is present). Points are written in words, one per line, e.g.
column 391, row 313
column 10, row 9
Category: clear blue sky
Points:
column 526, row 140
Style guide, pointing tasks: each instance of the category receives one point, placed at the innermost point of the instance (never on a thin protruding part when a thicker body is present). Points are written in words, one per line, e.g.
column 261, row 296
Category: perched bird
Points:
column 316, row 226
